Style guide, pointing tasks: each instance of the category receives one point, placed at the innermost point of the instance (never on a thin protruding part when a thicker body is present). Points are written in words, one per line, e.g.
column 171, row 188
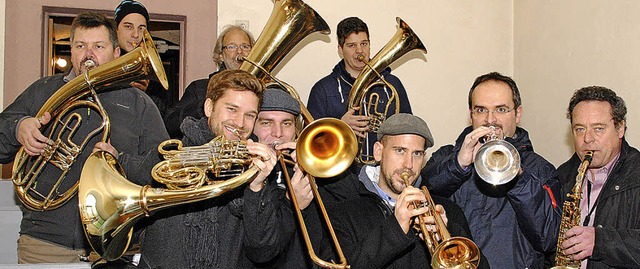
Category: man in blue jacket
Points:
column 514, row 224
column 329, row 96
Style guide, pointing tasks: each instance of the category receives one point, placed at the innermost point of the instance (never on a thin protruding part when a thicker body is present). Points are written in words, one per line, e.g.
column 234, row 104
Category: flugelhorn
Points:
column 404, row 41
column 571, row 216
column 62, row 152
column 446, row 252
column 497, row 162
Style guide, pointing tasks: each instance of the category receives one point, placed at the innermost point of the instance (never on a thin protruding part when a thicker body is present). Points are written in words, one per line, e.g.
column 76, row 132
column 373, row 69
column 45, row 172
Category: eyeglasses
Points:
column 483, row 111
column 244, row 47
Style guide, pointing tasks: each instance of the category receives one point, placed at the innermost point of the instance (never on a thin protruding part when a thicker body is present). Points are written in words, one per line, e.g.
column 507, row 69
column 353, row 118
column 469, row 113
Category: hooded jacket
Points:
column 515, row 224
column 329, row 97
column 617, row 219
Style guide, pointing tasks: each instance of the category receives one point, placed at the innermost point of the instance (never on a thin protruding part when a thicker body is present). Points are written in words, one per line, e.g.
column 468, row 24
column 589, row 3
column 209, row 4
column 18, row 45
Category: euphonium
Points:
column 62, row 152
column 497, row 161
column 446, row 252
column 571, row 215
column 404, row 41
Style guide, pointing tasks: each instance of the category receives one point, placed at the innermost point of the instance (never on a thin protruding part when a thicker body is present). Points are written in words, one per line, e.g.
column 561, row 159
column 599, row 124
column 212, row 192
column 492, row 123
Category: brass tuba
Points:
column 62, row 152
column 571, row 216
column 446, row 251
column 404, row 41
column 497, row 162
column 326, row 147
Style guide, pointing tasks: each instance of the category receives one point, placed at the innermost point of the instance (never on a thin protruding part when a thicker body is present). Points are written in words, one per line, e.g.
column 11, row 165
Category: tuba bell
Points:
column 404, row 41
column 497, row 162
column 63, row 148
column 446, row 252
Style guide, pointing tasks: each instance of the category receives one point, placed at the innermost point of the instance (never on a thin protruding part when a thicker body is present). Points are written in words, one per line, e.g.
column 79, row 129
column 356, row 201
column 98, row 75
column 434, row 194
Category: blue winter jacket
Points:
column 515, row 224
column 329, row 97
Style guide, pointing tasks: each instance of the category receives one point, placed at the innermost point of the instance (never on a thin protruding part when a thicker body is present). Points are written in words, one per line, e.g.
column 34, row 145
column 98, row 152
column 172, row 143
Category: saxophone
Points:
column 571, row 215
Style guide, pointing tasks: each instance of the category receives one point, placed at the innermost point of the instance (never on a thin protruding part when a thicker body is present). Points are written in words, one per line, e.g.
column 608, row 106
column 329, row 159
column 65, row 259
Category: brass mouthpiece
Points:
column 405, row 177
column 239, row 58
column 361, row 58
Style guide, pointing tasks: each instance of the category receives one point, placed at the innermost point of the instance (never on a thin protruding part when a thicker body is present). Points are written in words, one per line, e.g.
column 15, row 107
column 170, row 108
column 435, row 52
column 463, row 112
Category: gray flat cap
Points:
column 403, row 123
column 279, row 100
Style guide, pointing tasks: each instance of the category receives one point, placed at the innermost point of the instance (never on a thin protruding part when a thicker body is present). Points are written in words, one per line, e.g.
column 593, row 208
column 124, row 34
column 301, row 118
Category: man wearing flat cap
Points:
column 383, row 203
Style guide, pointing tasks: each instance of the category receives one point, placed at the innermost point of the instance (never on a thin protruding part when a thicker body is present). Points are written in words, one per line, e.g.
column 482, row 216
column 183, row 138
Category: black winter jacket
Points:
column 213, row 233
column 515, row 224
column 371, row 237
column 191, row 104
column 617, row 219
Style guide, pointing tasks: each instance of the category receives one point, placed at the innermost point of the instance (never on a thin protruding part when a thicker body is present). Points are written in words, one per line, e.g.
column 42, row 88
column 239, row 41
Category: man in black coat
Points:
column 609, row 232
column 374, row 227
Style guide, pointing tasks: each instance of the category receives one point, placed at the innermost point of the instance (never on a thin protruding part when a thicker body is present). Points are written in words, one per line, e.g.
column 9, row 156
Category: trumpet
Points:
column 497, row 162
column 446, row 251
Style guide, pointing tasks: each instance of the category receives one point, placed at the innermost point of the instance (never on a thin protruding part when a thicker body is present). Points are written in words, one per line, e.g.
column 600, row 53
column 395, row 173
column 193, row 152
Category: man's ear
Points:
column 377, row 151
column 340, row 51
column 208, row 107
column 116, row 52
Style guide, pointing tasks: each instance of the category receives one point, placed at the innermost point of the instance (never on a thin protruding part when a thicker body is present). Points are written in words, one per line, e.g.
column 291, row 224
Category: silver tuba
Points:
column 497, row 162
column 404, row 41
column 62, row 152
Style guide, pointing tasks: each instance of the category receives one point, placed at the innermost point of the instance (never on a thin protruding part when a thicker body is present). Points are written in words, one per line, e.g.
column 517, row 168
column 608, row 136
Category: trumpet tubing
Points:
column 446, row 251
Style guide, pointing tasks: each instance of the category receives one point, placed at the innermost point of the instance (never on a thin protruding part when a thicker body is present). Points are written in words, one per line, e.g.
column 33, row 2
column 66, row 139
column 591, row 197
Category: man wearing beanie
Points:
column 132, row 18
column 276, row 127
column 383, row 203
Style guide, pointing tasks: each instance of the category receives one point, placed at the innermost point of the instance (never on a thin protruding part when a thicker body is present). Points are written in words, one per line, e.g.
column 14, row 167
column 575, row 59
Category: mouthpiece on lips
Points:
column 89, row 64
column 239, row 58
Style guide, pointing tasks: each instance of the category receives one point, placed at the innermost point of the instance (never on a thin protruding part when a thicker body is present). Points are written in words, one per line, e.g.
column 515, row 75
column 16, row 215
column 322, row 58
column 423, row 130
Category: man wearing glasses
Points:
column 234, row 41
column 515, row 224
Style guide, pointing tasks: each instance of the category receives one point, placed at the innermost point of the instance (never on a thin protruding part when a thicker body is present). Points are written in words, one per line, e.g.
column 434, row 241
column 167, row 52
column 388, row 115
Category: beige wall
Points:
column 565, row 45
column 24, row 36
column 464, row 40
column 551, row 48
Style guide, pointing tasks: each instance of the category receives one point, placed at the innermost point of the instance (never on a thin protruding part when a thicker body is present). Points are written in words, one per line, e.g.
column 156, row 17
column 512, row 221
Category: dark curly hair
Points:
column 517, row 101
column 599, row 93
column 350, row 25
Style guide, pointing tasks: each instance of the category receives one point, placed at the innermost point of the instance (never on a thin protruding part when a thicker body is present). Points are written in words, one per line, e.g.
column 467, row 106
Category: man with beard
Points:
column 210, row 233
column 233, row 42
column 56, row 236
column 515, row 224
column 374, row 227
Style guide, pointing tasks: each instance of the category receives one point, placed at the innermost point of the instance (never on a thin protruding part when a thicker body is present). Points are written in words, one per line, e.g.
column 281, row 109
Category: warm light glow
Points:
column 61, row 62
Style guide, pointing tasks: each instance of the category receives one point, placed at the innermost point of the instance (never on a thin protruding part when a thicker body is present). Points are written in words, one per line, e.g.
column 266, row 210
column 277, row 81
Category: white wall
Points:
column 562, row 46
column 464, row 39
